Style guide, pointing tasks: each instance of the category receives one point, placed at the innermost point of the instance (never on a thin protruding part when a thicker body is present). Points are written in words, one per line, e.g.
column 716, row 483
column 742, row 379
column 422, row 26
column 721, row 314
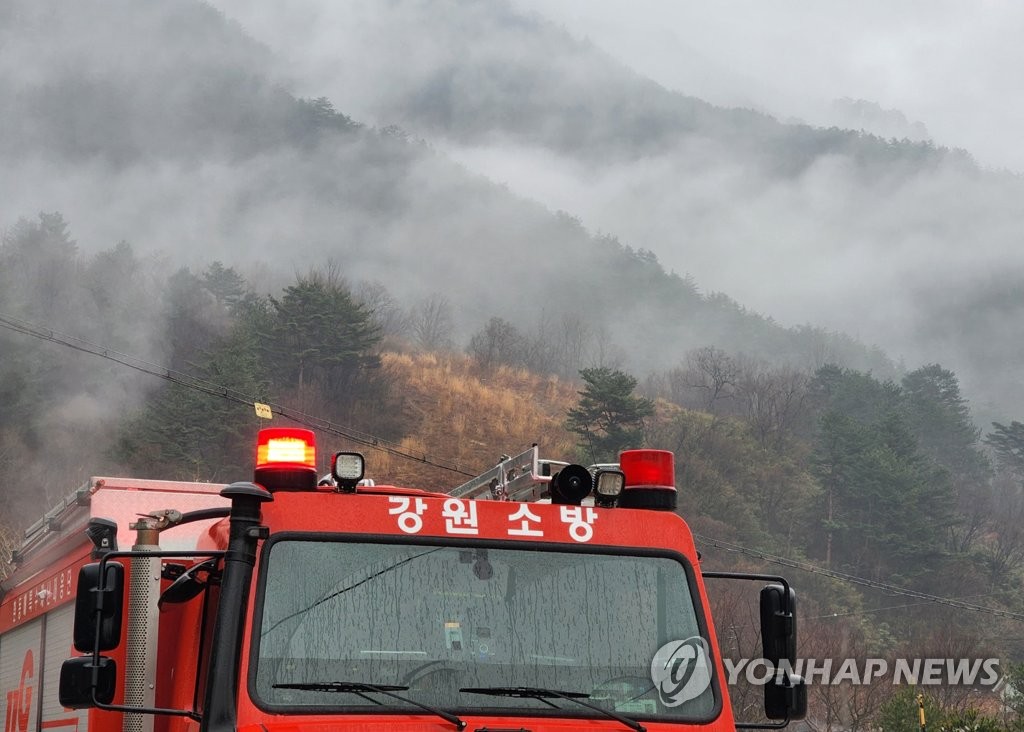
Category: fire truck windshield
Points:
column 457, row 626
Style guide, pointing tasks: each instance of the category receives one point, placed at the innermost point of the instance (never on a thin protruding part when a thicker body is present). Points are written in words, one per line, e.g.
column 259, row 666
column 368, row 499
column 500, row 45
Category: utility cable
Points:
column 872, row 611
column 208, row 387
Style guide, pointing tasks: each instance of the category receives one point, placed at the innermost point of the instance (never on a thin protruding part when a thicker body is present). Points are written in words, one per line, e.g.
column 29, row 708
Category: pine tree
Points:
column 319, row 337
column 608, row 417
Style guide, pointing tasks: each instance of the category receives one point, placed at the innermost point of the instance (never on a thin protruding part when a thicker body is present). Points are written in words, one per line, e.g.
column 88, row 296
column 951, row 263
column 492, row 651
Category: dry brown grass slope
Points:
column 460, row 415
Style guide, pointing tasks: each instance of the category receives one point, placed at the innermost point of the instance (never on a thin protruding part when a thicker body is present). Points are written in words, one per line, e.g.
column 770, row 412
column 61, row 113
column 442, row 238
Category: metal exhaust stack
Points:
column 143, row 624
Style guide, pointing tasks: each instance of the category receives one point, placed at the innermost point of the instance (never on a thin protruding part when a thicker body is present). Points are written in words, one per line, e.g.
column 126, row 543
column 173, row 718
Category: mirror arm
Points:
column 102, row 589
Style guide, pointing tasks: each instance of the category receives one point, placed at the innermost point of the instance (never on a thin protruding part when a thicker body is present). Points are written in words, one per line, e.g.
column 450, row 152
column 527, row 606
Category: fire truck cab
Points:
column 538, row 596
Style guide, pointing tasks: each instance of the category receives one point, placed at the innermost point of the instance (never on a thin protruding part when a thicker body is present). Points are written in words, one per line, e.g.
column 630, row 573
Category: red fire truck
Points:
column 539, row 596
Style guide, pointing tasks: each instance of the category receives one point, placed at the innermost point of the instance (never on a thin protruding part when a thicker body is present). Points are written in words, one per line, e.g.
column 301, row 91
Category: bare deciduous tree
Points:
column 708, row 380
column 775, row 401
column 432, row 324
column 498, row 342
column 386, row 313
column 1005, row 551
column 573, row 336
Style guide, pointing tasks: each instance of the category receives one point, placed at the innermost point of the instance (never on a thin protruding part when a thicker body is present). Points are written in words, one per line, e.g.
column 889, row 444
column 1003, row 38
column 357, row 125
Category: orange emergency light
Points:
column 286, row 459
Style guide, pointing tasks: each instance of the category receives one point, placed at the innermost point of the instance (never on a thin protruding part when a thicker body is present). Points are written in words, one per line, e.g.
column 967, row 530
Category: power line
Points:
column 863, row 581
column 872, row 611
column 208, row 387
column 857, row 613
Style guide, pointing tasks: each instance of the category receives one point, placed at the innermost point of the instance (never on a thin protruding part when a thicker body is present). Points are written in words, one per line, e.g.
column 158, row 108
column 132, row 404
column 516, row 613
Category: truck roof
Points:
column 61, row 530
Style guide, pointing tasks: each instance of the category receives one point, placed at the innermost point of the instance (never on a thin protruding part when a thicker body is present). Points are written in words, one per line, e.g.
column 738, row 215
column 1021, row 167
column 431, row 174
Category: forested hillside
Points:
column 492, row 71
column 194, row 150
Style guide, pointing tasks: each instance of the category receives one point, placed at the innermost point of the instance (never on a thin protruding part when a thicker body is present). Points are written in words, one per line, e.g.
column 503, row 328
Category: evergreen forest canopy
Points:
column 168, row 199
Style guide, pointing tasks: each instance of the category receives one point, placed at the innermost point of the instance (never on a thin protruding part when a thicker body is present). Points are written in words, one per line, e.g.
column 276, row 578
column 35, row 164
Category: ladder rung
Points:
column 513, row 479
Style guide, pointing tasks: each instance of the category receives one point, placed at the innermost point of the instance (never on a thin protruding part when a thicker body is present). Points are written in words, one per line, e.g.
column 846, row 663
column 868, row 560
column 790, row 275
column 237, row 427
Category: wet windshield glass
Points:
column 432, row 620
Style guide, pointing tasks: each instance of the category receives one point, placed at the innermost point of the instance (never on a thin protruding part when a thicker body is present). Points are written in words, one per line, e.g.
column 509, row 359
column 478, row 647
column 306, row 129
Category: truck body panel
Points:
column 37, row 599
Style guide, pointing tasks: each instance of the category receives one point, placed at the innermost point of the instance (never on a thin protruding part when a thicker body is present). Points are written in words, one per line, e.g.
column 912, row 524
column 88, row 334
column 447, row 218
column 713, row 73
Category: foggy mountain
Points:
column 176, row 129
column 860, row 114
column 164, row 127
column 889, row 240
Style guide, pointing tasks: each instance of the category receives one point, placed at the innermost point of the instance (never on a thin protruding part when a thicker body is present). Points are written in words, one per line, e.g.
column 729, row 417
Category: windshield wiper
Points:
column 531, row 692
column 355, row 687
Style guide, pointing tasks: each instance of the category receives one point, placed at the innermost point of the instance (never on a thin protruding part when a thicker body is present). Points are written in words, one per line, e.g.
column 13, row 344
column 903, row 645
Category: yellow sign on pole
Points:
column 263, row 411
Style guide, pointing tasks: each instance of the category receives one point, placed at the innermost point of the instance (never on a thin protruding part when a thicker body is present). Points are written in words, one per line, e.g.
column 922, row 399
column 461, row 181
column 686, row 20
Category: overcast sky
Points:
column 958, row 67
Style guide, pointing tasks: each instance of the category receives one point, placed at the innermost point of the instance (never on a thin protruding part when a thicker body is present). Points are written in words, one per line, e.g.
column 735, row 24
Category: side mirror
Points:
column 785, row 697
column 98, row 607
column 79, row 678
column 778, row 624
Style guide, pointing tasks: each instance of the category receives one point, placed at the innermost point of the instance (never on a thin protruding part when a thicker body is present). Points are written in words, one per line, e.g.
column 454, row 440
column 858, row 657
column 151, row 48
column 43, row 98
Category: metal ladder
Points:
column 524, row 477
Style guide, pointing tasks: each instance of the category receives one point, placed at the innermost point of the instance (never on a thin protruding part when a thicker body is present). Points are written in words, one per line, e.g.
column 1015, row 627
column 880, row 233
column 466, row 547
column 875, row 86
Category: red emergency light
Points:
column 650, row 479
column 286, row 459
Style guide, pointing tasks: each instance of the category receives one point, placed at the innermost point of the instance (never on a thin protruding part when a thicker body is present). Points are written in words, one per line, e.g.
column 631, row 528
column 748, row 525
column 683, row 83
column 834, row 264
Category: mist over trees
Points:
column 902, row 242
column 167, row 197
column 271, row 180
